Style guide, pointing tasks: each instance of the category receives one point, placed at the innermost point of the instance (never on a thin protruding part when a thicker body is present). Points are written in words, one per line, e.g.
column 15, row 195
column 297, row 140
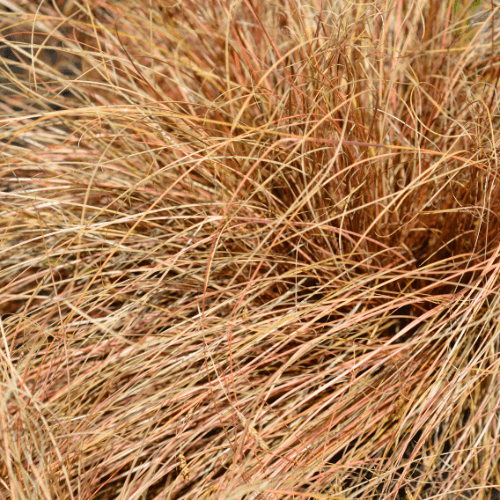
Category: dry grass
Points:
column 249, row 249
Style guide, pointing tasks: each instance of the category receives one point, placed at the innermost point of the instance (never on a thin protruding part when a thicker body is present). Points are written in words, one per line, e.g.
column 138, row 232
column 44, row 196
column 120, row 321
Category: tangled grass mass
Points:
column 249, row 249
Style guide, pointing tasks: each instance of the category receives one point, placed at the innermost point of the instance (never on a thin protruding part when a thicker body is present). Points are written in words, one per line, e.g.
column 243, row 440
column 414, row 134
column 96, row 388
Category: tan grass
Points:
column 249, row 249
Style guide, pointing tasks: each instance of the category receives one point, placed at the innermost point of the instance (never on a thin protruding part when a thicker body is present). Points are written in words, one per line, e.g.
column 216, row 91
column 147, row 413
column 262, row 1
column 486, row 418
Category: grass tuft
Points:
column 249, row 249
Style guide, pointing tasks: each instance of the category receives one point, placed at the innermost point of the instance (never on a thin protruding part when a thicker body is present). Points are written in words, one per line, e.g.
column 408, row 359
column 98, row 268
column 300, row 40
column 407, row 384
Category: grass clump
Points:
column 249, row 249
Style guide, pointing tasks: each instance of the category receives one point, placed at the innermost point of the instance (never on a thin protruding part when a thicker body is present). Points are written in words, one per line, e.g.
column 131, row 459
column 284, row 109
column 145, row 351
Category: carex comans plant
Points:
column 249, row 249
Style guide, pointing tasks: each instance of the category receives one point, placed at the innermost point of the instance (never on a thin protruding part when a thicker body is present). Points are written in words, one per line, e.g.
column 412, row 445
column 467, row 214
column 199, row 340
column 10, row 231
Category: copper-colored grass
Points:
column 249, row 249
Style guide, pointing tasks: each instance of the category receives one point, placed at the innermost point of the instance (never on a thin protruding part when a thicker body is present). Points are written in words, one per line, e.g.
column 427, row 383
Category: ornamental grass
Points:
column 249, row 249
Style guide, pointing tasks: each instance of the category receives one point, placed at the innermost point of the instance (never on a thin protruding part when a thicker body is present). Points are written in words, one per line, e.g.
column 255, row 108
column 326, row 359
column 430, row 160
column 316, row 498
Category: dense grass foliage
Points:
column 249, row 249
